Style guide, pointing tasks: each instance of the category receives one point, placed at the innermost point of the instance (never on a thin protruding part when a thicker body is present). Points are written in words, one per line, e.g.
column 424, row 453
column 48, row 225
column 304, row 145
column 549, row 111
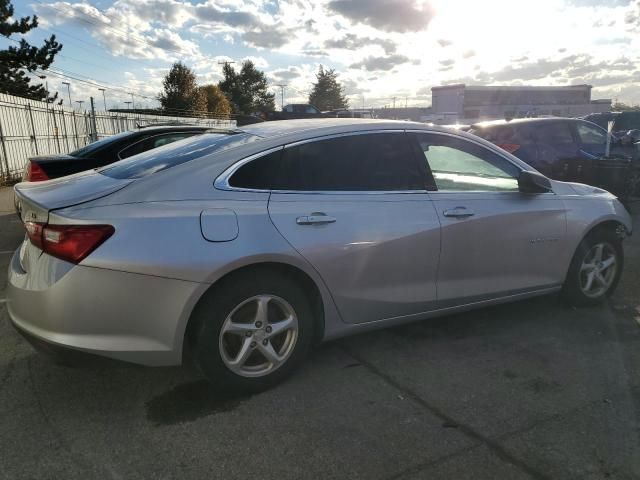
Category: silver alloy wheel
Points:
column 258, row 336
column 598, row 270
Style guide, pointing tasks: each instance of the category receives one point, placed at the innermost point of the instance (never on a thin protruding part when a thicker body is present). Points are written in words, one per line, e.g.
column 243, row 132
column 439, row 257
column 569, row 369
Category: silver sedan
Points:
column 244, row 248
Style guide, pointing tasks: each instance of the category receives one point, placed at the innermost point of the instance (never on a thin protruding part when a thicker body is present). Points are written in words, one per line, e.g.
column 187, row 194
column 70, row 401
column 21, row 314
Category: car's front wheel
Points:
column 595, row 269
column 251, row 331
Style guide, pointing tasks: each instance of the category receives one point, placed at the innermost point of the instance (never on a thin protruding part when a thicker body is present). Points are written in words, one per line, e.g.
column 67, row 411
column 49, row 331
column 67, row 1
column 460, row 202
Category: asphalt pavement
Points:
column 528, row 390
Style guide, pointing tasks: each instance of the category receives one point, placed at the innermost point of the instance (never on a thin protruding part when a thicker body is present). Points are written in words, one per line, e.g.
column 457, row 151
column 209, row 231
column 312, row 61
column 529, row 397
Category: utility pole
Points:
column 127, row 104
column 104, row 97
column 282, row 87
column 133, row 100
column 79, row 102
column 394, row 101
column 94, row 127
column 69, row 92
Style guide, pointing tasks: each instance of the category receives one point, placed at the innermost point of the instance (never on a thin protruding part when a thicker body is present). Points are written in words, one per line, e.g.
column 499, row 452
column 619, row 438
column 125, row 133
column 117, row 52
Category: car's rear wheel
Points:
column 595, row 269
column 251, row 332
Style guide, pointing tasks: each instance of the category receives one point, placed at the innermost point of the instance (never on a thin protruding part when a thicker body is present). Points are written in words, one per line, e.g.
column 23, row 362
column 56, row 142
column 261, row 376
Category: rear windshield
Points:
column 88, row 150
column 173, row 154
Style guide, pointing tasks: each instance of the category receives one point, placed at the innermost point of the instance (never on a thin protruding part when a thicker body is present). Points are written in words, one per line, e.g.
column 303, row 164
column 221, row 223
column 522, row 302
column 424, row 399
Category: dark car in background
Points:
column 568, row 149
column 622, row 121
column 294, row 111
column 107, row 151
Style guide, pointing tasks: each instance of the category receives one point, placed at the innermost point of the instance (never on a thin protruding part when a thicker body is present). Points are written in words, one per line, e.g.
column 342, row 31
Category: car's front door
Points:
column 496, row 240
column 356, row 208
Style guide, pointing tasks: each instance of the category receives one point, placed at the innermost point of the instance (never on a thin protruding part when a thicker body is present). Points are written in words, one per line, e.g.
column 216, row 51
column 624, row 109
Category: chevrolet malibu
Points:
column 242, row 249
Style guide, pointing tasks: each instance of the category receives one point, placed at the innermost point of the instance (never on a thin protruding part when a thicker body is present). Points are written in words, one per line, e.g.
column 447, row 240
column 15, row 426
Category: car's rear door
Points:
column 355, row 206
column 496, row 240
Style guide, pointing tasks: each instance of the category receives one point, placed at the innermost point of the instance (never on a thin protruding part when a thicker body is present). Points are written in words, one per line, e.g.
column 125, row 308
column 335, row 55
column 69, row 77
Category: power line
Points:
column 103, row 24
column 73, row 58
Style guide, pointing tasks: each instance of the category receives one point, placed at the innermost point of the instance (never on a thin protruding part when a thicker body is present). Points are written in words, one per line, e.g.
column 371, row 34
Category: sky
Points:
column 385, row 51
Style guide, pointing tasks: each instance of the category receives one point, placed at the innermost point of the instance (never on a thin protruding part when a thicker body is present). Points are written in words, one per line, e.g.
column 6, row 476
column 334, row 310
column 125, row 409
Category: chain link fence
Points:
column 29, row 128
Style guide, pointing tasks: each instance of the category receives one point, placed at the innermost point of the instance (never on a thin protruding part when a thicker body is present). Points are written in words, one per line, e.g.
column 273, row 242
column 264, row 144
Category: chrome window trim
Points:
column 492, row 149
column 340, row 135
column 222, row 182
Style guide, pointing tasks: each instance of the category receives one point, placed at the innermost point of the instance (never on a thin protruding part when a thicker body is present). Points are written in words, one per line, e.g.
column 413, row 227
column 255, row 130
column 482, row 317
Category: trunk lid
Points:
column 34, row 200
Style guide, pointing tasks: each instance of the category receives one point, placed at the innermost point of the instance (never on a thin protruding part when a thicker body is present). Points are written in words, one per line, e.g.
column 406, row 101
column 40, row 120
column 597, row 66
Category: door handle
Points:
column 316, row 218
column 459, row 212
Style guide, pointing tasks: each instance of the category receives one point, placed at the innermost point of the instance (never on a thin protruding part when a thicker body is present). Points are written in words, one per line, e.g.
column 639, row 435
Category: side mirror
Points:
column 634, row 135
column 533, row 182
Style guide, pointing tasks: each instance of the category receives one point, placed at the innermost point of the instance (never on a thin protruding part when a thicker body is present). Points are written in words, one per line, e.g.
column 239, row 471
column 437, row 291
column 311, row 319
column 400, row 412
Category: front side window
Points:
column 459, row 165
column 364, row 162
column 591, row 134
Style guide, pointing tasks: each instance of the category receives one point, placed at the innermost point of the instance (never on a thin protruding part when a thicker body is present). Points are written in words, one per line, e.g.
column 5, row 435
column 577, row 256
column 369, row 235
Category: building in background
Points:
column 469, row 104
column 417, row 114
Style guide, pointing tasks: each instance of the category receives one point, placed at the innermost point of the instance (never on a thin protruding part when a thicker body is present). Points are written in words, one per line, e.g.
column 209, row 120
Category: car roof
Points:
column 277, row 128
column 519, row 121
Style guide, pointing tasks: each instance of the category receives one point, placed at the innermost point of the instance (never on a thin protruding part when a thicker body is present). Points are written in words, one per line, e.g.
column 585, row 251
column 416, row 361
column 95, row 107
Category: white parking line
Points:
column 6, row 252
column 3, row 300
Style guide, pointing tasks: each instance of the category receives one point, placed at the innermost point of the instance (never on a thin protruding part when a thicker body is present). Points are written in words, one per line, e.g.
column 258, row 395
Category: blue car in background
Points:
column 568, row 149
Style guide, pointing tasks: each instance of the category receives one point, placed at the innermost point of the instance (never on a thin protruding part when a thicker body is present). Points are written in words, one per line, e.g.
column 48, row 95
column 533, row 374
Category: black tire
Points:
column 571, row 290
column 211, row 312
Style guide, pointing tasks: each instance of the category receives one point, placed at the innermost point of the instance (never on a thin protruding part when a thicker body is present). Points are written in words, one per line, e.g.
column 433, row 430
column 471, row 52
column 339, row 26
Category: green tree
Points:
column 216, row 101
column 19, row 63
column 327, row 93
column 181, row 94
column 247, row 90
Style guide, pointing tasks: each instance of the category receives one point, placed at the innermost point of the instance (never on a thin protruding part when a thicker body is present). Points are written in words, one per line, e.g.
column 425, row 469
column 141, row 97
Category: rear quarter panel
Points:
column 164, row 239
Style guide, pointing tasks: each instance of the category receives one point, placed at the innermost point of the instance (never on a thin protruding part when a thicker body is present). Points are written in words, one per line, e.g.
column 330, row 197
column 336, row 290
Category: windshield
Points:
column 90, row 149
column 176, row 153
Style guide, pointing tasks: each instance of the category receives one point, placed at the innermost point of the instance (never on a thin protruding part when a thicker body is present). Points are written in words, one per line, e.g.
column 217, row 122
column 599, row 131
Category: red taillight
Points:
column 35, row 173
column 69, row 242
column 509, row 147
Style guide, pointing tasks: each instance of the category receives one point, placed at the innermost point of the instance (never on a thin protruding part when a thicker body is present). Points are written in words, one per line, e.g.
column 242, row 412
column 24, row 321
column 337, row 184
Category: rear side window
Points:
column 168, row 156
column 365, row 162
column 558, row 133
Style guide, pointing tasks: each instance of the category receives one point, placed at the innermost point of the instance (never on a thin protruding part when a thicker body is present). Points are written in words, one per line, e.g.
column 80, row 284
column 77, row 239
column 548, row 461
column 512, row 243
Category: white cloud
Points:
column 411, row 45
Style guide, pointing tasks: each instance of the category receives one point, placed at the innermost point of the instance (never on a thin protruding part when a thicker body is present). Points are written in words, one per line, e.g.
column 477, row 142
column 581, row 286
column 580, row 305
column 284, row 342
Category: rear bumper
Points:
column 124, row 316
column 59, row 354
